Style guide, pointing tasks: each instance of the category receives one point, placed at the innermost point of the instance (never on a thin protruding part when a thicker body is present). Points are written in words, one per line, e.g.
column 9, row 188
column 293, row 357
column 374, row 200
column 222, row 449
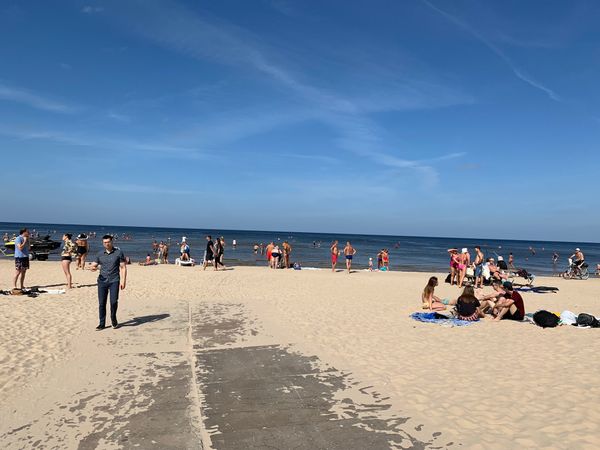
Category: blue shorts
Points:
column 478, row 270
column 349, row 257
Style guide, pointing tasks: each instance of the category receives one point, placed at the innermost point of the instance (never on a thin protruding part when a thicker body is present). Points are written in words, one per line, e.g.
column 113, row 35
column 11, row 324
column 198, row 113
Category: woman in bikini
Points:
column 385, row 259
column 428, row 298
column 454, row 265
column 66, row 257
column 82, row 251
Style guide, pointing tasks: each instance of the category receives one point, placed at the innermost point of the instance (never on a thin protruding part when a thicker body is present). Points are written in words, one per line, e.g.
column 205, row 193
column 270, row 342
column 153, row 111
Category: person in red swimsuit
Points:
column 334, row 255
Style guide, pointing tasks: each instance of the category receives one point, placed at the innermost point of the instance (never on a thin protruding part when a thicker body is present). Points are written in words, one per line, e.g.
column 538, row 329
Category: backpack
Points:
column 545, row 319
column 587, row 320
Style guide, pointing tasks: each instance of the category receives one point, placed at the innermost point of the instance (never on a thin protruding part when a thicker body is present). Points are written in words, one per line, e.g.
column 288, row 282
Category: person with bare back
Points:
column 335, row 252
column 349, row 253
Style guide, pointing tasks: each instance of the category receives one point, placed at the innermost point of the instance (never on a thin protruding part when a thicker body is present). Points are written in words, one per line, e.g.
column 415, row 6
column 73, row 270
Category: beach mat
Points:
column 538, row 289
column 440, row 319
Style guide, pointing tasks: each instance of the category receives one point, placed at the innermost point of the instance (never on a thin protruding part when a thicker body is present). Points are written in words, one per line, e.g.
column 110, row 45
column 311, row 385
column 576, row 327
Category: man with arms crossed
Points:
column 113, row 276
column 21, row 258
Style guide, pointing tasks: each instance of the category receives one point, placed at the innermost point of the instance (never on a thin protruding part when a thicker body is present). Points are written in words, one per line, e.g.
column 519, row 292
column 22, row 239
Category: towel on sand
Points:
column 433, row 317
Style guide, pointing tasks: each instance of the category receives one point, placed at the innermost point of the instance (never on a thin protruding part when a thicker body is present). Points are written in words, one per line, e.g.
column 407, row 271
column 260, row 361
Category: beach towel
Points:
column 538, row 289
column 433, row 317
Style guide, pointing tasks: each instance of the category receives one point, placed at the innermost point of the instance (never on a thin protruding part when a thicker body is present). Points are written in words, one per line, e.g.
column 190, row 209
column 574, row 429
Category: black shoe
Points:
column 100, row 327
column 116, row 325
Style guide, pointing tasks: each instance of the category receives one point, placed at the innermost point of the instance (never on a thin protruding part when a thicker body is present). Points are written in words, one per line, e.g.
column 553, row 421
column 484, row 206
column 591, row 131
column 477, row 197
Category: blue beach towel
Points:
column 432, row 317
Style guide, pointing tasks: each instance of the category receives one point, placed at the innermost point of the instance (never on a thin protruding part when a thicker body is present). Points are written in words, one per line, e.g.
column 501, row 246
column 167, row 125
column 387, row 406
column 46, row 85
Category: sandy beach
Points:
column 397, row 383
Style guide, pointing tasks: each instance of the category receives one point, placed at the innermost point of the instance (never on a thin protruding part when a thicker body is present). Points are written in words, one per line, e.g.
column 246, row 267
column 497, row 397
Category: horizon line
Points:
column 307, row 232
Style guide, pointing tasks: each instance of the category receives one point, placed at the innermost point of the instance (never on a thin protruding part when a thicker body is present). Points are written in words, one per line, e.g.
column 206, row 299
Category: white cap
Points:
column 183, row 239
column 500, row 258
column 464, row 250
column 577, row 250
column 370, row 259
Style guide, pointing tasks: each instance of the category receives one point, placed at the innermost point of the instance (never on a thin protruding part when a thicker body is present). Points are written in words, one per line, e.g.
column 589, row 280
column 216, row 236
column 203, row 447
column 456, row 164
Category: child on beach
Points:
column 429, row 300
column 370, row 264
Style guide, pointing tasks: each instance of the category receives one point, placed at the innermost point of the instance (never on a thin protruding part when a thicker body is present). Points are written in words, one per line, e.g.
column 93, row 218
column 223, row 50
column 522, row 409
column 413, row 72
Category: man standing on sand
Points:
column 349, row 253
column 287, row 250
column 478, row 267
column 268, row 251
column 209, row 252
column 334, row 255
column 21, row 258
column 113, row 276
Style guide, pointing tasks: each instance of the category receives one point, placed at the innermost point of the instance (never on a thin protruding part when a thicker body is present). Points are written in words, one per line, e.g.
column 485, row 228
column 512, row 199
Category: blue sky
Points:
column 454, row 118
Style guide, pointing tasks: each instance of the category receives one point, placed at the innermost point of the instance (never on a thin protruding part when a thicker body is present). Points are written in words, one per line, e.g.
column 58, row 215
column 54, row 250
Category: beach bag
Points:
column 587, row 320
column 545, row 319
column 447, row 280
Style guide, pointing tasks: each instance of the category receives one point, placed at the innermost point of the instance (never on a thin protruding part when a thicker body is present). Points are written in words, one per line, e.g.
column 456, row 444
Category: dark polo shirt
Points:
column 109, row 264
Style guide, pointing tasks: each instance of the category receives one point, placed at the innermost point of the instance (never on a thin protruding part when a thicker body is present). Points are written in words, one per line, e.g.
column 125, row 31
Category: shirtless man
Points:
column 488, row 302
column 578, row 258
column 478, row 267
column 287, row 249
column 334, row 255
column 349, row 253
column 268, row 250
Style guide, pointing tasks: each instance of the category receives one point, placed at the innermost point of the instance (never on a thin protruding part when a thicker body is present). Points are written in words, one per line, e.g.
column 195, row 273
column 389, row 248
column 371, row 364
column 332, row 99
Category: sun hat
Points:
column 464, row 250
column 500, row 258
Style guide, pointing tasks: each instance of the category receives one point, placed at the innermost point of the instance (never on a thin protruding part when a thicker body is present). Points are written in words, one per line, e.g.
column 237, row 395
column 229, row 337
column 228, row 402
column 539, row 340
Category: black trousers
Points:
column 104, row 289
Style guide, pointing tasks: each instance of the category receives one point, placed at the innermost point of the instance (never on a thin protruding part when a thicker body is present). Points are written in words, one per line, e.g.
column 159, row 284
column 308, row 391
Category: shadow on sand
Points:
column 136, row 321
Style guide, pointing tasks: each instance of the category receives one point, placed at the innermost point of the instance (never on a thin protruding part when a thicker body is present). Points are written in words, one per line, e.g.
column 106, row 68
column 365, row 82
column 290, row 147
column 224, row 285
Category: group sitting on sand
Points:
column 503, row 303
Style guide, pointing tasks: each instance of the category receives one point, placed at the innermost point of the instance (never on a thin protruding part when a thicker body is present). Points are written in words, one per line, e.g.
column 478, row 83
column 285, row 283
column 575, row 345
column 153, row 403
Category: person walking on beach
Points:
column 335, row 252
column 21, row 258
column 349, row 253
column 66, row 257
column 82, row 250
column 112, row 278
column 209, row 252
column 219, row 252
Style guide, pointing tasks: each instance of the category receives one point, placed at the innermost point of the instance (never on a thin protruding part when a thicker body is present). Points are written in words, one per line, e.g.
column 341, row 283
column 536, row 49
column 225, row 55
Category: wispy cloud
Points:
column 318, row 158
column 184, row 31
column 88, row 9
column 112, row 144
column 136, row 188
column 518, row 72
column 30, row 98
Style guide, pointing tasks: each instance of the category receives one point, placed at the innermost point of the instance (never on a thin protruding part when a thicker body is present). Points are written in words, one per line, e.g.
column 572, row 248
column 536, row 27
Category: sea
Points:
column 407, row 253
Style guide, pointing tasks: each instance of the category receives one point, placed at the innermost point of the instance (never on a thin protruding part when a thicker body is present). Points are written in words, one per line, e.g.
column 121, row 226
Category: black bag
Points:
column 447, row 280
column 587, row 320
column 545, row 319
